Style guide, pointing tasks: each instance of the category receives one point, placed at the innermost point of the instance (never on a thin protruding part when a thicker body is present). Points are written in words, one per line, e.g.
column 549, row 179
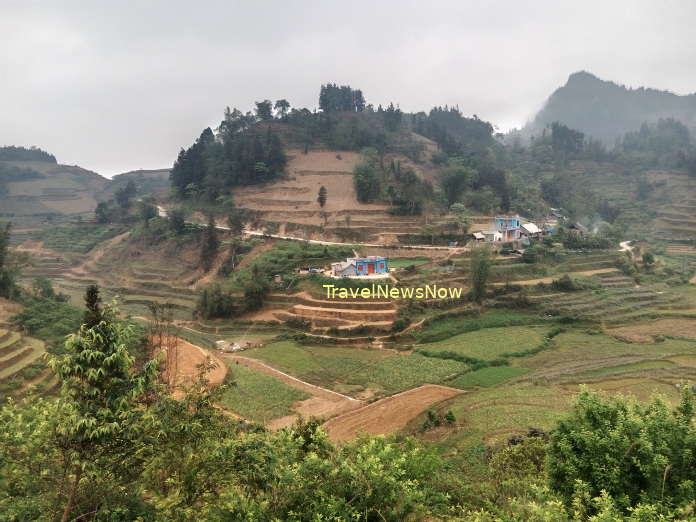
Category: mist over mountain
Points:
column 605, row 110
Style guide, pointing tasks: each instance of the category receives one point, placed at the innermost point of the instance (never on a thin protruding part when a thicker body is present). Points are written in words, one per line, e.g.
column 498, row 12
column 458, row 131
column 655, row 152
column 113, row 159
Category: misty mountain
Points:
column 605, row 110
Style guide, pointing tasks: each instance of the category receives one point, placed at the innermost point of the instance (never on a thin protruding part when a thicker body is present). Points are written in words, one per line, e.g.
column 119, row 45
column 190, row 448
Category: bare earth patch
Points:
column 387, row 415
column 189, row 358
column 646, row 332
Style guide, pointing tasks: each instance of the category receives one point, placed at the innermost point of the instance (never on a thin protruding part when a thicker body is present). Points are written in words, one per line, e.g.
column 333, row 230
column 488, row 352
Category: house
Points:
column 509, row 227
column 360, row 266
column 343, row 269
column 492, row 235
column 577, row 228
column 530, row 230
column 478, row 236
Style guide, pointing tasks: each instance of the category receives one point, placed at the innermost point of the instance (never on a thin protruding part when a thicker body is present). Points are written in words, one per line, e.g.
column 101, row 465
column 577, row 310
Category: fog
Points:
column 114, row 88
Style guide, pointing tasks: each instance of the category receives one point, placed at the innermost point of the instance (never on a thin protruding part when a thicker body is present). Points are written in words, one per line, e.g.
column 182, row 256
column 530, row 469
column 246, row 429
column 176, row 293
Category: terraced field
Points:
column 292, row 202
column 618, row 302
column 22, row 369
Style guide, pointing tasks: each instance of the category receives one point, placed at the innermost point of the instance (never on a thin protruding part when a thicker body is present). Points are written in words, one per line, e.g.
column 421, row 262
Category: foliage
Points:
column 366, row 179
column 77, row 238
column 321, row 197
column 210, row 245
column 240, row 153
column 480, row 269
column 13, row 153
column 633, row 452
column 8, row 274
column 333, row 98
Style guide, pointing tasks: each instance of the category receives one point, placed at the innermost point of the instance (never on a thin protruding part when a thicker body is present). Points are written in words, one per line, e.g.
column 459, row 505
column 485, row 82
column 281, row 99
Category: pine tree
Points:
column 93, row 314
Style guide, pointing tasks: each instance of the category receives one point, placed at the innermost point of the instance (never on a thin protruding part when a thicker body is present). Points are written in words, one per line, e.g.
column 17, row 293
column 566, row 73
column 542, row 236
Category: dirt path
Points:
column 387, row 415
column 323, row 403
column 528, row 282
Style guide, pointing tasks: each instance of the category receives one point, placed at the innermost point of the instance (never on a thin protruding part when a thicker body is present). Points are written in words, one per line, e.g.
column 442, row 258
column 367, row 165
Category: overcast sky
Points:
column 113, row 87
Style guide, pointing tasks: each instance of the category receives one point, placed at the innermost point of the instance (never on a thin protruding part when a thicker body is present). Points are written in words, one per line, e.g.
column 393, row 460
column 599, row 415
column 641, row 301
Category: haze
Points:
column 115, row 88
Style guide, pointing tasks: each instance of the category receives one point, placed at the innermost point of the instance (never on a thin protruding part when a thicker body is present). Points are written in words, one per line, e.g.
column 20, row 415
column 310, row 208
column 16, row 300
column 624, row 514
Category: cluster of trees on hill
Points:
column 666, row 143
column 454, row 133
column 376, row 180
column 239, row 153
column 333, row 98
column 13, row 153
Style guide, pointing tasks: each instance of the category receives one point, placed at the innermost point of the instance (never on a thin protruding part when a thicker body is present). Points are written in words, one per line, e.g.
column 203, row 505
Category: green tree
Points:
column 634, row 452
column 101, row 213
column 102, row 393
column 210, row 245
column 480, row 267
column 93, row 314
column 176, row 218
column 264, row 110
column 321, row 198
column 125, row 195
column 455, row 179
column 8, row 274
column 147, row 211
column 282, row 107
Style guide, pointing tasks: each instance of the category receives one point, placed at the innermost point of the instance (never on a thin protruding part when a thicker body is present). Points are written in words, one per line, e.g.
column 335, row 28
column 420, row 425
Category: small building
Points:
column 278, row 278
column 530, row 230
column 509, row 227
column 577, row 228
column 343, row 269
column 359, row 266
column 492, row 235
column 478, row 236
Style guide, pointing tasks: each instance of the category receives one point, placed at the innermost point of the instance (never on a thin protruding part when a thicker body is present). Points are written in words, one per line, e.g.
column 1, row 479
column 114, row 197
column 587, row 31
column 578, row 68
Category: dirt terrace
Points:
column 387, row 415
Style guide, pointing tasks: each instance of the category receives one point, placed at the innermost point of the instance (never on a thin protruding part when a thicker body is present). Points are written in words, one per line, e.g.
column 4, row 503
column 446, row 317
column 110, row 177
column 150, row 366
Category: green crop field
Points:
column 257, row 396
column 354, row 369
column 491, row 343
column 401, row 262
column 486, row 377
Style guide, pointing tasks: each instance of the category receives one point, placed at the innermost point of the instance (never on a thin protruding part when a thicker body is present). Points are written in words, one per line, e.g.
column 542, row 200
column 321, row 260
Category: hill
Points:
column 147, row 182
column 606, row 110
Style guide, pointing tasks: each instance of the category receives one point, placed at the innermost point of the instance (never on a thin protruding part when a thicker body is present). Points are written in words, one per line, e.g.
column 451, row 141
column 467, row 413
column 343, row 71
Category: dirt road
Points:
column 387, row 415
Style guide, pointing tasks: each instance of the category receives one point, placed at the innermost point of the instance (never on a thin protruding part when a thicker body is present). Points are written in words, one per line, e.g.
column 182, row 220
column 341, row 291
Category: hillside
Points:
column 605, row 110
column 147, row 182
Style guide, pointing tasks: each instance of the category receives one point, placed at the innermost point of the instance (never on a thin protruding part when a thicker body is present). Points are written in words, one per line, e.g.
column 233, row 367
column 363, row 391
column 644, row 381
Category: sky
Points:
column 118, row 86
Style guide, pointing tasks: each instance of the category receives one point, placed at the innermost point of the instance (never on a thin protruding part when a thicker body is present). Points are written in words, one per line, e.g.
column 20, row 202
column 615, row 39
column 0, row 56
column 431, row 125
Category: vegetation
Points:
column 12, row 153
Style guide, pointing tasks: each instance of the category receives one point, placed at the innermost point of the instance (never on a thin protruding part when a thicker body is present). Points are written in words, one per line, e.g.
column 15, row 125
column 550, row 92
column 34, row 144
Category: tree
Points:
column 461, row 216
column 7, row 274
column 101, row 213
column 634, row 452
column 176, row 218
column 147, row 211
column 480, row 267
column 93, row 314
column 209, row 245
column 366, row 178
column 282, row 107
column 124, row 195
column 264, row 110
column 101, row 392
column 455, row 179
column 322, row 196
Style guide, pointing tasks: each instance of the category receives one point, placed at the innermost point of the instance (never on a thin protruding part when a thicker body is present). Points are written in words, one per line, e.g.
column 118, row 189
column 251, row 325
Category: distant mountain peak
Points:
column 607, row 110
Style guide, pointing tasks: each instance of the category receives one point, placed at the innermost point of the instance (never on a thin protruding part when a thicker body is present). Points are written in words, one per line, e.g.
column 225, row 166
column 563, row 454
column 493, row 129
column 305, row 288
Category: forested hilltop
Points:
column 606, row 111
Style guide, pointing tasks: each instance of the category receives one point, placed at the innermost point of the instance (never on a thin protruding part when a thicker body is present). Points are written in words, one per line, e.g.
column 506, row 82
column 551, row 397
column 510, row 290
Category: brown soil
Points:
column 646, row 332
column 323, row 403
column 387, row 415
column 189, row 358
